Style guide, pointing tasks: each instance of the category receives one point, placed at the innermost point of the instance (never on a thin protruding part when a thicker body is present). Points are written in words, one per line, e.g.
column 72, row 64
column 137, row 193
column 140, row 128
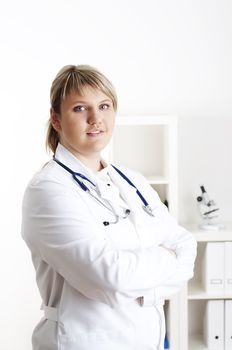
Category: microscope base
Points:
column 211, row 227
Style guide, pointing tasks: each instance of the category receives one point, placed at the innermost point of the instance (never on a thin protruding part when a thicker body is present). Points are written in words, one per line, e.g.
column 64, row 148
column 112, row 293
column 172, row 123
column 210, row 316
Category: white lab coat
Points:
column 102, row 287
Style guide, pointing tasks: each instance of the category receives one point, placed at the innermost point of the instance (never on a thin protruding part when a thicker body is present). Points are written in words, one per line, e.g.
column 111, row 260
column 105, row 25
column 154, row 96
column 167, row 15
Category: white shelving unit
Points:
column 194, row 296
column 148, row 144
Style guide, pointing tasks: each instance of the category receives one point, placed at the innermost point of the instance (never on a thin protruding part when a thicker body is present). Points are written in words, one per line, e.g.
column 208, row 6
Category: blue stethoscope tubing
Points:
column 145, row 206
column 75, row 176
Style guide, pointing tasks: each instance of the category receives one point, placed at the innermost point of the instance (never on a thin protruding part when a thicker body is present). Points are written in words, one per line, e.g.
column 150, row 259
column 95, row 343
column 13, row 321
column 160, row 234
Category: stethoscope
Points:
column 75, row 176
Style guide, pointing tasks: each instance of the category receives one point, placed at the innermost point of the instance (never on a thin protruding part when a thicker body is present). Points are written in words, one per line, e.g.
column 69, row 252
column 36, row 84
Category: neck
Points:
column 92, row 162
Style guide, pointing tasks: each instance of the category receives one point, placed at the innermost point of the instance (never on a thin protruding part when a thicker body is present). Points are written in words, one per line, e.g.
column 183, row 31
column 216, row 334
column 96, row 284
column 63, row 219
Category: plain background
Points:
column 164, row 57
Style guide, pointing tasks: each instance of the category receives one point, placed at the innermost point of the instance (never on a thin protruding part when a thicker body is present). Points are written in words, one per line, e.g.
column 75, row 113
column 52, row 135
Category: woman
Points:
column 103, row 264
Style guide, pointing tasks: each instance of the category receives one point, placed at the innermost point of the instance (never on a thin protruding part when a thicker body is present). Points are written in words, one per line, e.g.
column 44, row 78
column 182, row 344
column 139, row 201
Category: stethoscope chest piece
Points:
column 117, row 217
column 148, row 210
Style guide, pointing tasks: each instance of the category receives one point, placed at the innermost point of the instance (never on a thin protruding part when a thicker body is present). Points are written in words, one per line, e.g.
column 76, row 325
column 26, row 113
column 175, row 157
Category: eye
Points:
column 104, row 106
column 79, row 108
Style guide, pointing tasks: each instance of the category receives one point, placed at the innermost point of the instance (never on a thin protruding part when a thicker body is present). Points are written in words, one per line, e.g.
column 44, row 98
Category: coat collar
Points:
column 67, row 158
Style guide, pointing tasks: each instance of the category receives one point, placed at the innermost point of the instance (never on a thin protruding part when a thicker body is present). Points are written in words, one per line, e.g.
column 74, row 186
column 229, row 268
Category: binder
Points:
column 166, row 342
column 228, row 268
column 213, row 268
column 228, row 324
column 214, row 325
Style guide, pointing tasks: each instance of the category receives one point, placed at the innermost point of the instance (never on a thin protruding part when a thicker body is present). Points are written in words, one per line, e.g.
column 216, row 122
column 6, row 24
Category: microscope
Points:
column 208, row 210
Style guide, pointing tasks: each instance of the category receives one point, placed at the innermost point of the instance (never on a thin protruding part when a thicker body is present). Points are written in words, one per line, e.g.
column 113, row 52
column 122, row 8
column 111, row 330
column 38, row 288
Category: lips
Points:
column 94, row 132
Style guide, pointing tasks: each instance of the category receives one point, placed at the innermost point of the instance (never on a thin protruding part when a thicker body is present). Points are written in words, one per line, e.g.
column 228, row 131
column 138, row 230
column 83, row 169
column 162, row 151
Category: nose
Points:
column 94, row 117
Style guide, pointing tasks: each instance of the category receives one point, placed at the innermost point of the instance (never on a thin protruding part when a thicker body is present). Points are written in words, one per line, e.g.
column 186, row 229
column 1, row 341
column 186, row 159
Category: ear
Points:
column 55, row 120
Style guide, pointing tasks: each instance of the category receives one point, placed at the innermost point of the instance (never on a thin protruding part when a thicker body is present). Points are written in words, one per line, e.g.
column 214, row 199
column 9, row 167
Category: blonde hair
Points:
column 75, row 78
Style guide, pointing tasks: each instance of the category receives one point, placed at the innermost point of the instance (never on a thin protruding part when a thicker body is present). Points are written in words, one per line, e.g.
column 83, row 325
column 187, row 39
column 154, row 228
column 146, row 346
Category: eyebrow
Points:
column 80, row 101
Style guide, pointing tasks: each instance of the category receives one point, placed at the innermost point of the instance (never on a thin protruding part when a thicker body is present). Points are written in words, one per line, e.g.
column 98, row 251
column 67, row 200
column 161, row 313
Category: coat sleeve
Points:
column 57, row 226
column 175, row 238
column 184, row 246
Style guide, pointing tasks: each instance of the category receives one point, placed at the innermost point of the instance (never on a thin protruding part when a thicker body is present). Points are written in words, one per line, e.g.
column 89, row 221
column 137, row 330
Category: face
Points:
column 85, row 123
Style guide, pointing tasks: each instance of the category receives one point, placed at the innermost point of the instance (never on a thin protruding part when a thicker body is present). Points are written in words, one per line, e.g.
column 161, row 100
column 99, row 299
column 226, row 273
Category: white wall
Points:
column 163, row 57
column 205, row 146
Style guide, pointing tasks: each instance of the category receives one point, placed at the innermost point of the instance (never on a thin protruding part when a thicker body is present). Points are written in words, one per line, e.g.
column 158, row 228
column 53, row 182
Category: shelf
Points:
column 196, row 292
column 197, row 297
column 157, row 180
column 196, row 343
column 221, row 235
